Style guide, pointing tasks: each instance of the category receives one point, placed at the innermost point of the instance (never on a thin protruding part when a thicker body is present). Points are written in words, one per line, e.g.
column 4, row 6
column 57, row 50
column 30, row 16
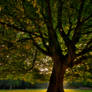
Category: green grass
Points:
column 37, row 90
column 69, row 90
column 34, row 90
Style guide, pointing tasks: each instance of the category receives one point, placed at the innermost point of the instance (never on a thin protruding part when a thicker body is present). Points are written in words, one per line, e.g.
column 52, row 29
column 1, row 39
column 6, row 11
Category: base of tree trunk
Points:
column 56, row 79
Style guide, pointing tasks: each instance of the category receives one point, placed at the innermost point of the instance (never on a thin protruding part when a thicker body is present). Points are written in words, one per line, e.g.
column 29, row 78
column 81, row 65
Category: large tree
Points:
column 61, row 29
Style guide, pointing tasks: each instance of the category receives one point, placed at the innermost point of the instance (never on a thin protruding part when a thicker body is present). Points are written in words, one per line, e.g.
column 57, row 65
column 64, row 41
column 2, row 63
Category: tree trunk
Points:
column 57, row 76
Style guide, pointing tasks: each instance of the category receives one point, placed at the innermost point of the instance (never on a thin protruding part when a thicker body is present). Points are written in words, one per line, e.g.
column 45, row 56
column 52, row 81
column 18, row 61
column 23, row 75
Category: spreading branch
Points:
column 86, row 50
column 38, row 47
column 49, row 23
column 17, row 28
column 59, row 25
column 76, row 34
column 86, row 19
column 80, row 60
column 30, row 34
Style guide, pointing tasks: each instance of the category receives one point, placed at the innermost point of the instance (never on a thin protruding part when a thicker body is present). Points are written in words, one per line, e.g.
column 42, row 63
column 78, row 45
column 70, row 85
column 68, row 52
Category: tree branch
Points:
column 89, row 32
column 80, row 60
column 54, row 45
column 76, row 34
column 15, row 27
column 59, row 18
column 60, row 28
column 30, row 34
column 38, row 47
column 85, row 50
column 49, row 23
column 43, row 39
column 59, row 25
column 81, row 54
column 33, row 61
column 86, row 19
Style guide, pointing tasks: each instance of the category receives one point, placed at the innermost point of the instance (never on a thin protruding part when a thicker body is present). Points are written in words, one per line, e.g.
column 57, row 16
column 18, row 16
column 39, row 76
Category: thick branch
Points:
column 49, row 22
column 54, row 45
column 87, row 18
column 15, row 27
column 80, row 60
column 23, row 30
column 38, row 47
column 59, row 19
column 76, row 35
column 86, row 50
column 49, row 13
column 59, row 12
column 60, row 28
column 81, row 56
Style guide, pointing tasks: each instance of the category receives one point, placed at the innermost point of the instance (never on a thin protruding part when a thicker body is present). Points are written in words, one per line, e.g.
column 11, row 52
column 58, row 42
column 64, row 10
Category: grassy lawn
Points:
column 66, row 90
column 78, row 90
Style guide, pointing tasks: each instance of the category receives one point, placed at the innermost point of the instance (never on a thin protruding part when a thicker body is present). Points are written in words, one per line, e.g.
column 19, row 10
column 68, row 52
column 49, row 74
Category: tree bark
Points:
column 57, row 76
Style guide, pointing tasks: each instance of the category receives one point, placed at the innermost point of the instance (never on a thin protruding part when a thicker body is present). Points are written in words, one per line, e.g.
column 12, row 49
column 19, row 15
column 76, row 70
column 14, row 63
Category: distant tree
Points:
column 60, row 29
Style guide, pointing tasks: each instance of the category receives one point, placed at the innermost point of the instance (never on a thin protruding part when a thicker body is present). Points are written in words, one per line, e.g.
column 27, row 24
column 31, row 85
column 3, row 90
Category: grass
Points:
column 43, row 90
column 34, row 90
column 77, row 90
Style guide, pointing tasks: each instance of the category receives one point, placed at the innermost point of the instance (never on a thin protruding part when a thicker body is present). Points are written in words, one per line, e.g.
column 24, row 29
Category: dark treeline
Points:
column 20, row 84
column 79, row 85
column 15, row 84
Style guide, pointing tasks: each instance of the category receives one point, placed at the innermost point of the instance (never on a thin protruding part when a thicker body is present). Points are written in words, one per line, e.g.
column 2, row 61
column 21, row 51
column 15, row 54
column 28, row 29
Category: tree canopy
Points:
column 70, row 21
column 61, row 29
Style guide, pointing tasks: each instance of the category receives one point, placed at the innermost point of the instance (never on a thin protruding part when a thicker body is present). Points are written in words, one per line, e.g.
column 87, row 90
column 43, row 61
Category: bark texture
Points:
column 57, row 76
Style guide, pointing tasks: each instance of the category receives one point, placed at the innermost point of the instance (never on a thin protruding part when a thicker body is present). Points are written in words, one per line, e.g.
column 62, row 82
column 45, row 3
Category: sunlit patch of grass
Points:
column 43, row 90
column 33, row 90
column 77, row 90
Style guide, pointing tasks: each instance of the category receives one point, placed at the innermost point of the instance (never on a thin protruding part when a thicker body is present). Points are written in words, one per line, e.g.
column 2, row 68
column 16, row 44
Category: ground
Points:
column 43, row 90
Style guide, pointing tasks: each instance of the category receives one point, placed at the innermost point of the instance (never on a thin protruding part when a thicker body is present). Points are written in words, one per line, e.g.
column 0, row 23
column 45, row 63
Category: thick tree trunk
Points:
column 57, row 76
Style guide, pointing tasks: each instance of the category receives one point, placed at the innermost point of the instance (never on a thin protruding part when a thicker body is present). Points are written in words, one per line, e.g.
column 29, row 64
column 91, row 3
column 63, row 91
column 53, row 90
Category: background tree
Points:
column 60, row 29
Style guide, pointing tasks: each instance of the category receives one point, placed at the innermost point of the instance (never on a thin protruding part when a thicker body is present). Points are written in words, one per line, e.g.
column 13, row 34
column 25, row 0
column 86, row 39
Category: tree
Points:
column 61, row 29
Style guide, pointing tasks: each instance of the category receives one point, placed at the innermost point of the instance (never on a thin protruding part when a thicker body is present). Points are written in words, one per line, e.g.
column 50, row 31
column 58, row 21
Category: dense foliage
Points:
column 59, row 29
